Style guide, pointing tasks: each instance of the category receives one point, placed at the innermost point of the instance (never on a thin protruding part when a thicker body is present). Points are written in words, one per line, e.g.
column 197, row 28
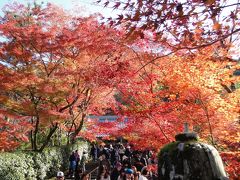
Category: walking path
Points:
column 91, row 169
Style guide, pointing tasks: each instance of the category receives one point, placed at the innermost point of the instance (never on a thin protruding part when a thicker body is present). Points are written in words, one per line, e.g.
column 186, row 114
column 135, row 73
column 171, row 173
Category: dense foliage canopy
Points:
column 163, row 64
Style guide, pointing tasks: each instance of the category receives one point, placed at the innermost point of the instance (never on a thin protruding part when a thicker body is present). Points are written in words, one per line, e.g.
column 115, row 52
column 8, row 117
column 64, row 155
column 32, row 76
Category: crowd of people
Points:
column 116, row 162
column 119, row 162
column 76, row 166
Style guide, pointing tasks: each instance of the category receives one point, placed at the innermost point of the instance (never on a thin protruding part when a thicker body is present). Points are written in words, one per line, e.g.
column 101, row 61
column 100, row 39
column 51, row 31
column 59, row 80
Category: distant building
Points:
column 108, row 119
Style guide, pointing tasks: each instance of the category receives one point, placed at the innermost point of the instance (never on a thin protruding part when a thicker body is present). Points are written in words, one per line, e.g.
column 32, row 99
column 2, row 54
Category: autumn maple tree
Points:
column 197, row 88
column 54, row 66
column 179, row 25
column 188, row 78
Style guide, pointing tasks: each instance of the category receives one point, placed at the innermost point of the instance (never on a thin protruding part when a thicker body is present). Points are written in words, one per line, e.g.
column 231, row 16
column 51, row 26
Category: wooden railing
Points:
column 93, row 173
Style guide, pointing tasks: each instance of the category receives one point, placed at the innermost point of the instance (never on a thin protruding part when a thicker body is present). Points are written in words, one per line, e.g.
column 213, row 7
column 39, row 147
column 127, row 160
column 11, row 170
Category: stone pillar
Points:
column 189, row 159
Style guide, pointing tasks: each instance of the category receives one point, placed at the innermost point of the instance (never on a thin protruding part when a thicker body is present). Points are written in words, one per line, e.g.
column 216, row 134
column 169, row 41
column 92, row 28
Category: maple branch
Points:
column 202, row 12
column 153, row 60
column 213, row 42
column 151, row 118
column 40, row 54
column 159, row 126
column 55, row 65
column 233, row 22
column 226, row 88
column 189, row 48
column 72, row 124
column 70, row 104
column 139, row 59
column 205, row 109
column 16, row 111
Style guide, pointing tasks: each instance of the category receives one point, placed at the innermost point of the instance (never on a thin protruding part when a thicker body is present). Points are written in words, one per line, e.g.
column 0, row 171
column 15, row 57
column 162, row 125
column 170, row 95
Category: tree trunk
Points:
column 35, row 146
column 31, row 137
column 59, row 137
column 79, row 128
column 51, row 132
column 69, row 133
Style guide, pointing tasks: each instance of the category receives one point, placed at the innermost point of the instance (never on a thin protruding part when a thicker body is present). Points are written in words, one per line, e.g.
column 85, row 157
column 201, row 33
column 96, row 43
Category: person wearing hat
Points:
column 60, row 175
column 129, row 174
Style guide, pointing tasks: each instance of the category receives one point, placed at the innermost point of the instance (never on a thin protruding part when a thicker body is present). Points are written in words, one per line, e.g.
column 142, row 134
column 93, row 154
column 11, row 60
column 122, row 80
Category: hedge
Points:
column 28, row 165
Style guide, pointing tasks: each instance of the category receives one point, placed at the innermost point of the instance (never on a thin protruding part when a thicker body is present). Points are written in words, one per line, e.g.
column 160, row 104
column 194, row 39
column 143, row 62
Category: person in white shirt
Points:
column 144, row 173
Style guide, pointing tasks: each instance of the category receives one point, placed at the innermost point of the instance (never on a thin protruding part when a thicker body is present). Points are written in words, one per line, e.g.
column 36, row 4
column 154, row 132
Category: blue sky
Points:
column 84, row 7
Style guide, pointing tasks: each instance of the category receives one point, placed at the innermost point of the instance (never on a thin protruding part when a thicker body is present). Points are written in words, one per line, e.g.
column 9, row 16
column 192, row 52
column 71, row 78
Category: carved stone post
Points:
column 188, row 159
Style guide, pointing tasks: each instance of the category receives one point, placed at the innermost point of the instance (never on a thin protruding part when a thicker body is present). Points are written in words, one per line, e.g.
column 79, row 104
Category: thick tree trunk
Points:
column 79, row 128
column 51, row 132
column 83, row 107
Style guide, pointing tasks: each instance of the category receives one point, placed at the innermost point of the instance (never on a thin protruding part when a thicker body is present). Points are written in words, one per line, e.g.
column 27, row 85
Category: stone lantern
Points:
column 188, row 159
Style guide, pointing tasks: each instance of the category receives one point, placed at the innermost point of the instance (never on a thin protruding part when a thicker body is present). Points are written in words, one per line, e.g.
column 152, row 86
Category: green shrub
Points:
column 28, row 165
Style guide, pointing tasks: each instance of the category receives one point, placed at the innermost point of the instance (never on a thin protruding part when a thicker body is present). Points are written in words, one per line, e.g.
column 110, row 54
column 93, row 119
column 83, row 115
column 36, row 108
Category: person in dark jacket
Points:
column 77, row 157
column 113, row 156
column 137, row 162
column 72, row 167
column 116, row 171
column 103, row 161
column 128, row 152
column 94, row 152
